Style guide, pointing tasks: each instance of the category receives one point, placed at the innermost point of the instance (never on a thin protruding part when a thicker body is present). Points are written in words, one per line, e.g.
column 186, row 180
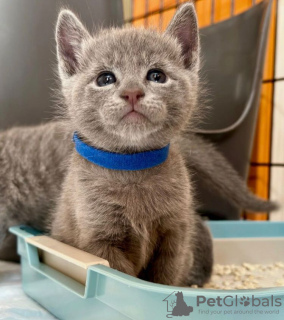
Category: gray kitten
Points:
column 33, row 166
column 127, row 91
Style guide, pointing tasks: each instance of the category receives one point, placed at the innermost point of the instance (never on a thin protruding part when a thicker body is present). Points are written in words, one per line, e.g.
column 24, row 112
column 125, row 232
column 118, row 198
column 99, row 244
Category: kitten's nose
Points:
column 132, row 96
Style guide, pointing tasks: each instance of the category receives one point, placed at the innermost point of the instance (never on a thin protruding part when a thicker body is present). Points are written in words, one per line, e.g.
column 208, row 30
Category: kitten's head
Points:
column 129, row 89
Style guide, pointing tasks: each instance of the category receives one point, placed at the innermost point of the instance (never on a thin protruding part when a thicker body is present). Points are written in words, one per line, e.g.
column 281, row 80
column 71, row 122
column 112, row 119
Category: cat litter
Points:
column 247, row 276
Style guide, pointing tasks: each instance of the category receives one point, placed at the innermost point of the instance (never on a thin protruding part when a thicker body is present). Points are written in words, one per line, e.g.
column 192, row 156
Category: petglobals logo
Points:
column 235, row 301
column 229, row 305
column 176, row 306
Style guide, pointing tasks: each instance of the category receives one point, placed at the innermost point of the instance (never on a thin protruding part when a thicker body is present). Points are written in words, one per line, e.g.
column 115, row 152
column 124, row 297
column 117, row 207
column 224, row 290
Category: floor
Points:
column 14, row 304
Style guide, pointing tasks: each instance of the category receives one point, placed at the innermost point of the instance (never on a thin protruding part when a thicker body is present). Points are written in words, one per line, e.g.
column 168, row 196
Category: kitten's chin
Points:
column 134, row 130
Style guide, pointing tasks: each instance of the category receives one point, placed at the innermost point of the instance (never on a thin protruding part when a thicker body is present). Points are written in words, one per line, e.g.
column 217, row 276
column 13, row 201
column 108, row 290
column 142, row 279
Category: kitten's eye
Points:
column 156, row 76
column 105, row 79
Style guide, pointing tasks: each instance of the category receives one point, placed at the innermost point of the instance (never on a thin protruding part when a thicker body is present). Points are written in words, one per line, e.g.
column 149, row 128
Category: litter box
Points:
column 72, row 284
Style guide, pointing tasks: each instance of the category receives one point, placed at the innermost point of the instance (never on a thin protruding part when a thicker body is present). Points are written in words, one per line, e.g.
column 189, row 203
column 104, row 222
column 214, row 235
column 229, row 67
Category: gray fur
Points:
column 142, row 222
column 211, row 166
column 31, row 173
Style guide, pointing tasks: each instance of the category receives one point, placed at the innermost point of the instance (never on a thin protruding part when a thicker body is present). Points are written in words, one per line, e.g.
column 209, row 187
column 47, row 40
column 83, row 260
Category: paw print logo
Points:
column 245, row 301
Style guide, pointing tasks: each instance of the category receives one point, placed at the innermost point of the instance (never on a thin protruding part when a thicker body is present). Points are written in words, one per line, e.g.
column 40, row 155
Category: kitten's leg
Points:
column 170, row 259
column 116, row 257
column 7, row 241
column 105, row 247
column 201, row 270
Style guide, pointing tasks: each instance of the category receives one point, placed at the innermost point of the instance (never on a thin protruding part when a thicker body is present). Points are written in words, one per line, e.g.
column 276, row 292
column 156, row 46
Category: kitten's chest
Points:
column 142, row 195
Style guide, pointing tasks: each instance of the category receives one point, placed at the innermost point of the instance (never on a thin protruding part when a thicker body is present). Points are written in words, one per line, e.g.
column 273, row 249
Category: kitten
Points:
column 31, row 172
column 33, row 166
column 128, row 91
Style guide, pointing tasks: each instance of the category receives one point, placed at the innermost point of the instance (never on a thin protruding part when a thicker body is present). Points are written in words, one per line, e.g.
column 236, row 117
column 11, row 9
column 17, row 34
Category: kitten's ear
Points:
column 70, row 34
column 184, row 27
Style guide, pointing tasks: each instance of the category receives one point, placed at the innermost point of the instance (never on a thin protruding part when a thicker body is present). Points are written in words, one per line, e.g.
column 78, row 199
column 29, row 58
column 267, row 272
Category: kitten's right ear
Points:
column 70, row 34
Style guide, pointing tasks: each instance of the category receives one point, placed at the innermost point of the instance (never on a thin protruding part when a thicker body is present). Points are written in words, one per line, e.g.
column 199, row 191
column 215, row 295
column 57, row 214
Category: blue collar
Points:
column 119, row 161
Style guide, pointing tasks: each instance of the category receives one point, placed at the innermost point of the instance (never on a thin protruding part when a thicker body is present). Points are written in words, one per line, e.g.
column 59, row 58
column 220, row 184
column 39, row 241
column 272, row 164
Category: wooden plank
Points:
column 270, row 53
column 222, row 10
column 139, row 22
column 203, row 9
column 167, row 17
column 139, row 8
column 241, row 6
column 154, row 5
column 154, row 21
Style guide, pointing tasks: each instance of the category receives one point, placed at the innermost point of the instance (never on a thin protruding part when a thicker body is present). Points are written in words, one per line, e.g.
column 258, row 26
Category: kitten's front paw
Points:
column 125, row 266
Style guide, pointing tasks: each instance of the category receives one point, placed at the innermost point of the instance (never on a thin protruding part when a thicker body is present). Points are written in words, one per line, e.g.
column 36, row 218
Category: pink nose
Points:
column 132, row 96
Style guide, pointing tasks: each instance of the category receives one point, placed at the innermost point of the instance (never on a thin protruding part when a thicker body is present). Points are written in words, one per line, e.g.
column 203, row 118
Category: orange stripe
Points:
column 153, row 5
column 168, row 3
column 139, row 22
column 139, row 7
column 256, row 216
column 203, row 9
column 242, row 5
column 269, row 62
column 222, row 10
column 154, row 21
column 167, row 17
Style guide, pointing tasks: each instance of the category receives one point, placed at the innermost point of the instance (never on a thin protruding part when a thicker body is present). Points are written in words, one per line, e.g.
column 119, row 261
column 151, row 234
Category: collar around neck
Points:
column 119, row 161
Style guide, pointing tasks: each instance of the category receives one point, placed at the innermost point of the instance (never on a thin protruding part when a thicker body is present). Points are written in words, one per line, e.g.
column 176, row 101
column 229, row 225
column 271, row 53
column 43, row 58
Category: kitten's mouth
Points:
column 134, row 116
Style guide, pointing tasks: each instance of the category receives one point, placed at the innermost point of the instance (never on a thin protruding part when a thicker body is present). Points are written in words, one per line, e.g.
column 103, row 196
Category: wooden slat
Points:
column 169, row 3
column 270, row 54
column 154, row 5
column 203, row 9
column 222, row 10
column 167, row 16
column 241, row 5
column 154, row 21
column 139, row 8
column 139, row 22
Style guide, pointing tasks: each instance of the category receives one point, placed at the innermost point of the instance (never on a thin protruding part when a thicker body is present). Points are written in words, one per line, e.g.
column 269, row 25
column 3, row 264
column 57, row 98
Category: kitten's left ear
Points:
column 70, row 34
column 184, row 27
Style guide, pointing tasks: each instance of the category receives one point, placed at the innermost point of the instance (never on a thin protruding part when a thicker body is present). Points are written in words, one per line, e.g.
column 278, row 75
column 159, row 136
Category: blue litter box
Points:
column 72, row 284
